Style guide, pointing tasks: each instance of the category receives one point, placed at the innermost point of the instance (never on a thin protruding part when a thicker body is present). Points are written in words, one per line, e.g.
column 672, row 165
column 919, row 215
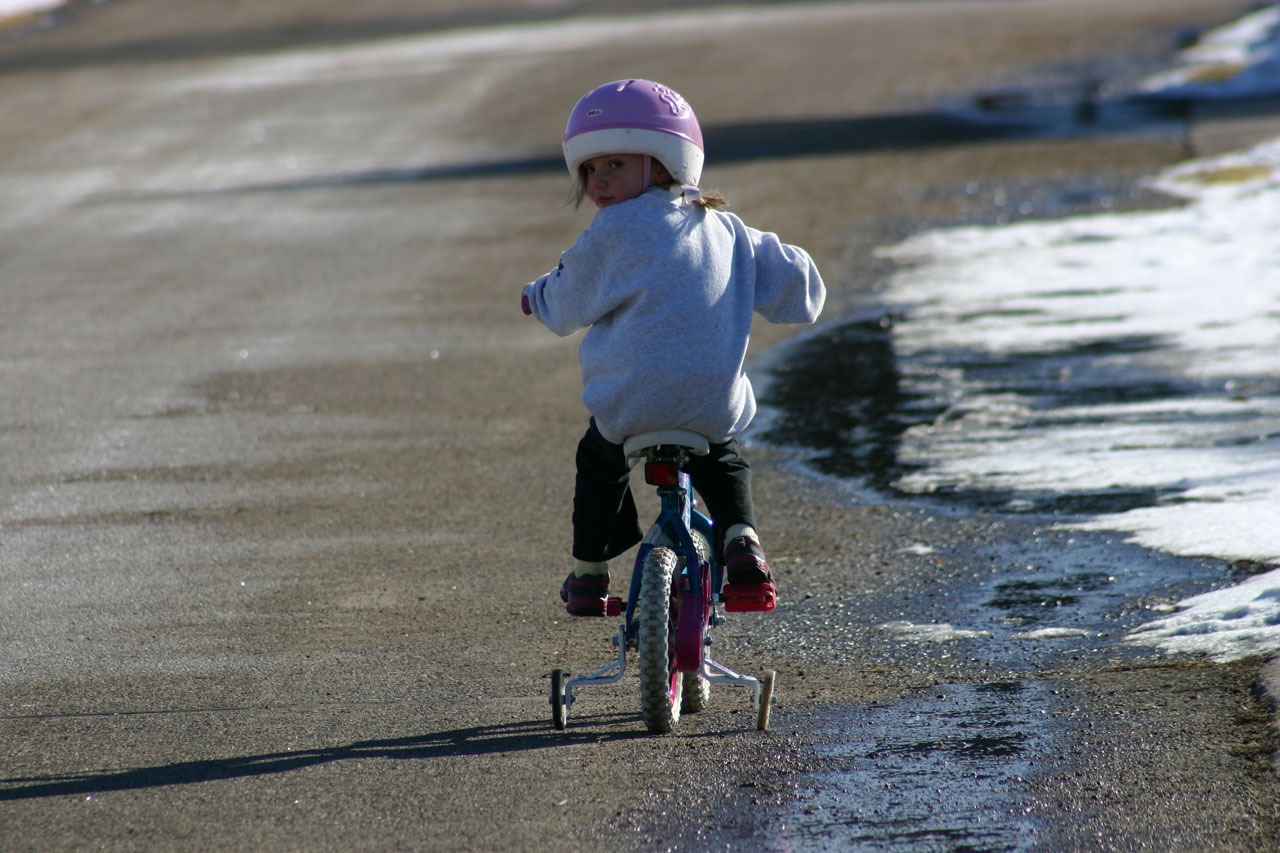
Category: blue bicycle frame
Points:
column 676, row 518
column 695, row 591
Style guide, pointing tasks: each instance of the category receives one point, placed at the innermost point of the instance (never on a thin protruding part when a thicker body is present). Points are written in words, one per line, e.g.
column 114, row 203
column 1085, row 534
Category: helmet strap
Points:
column 648, row 173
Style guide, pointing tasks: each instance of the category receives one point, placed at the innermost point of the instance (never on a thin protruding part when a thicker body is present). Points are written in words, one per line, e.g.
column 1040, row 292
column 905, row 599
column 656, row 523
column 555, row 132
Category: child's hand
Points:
column 524, row 304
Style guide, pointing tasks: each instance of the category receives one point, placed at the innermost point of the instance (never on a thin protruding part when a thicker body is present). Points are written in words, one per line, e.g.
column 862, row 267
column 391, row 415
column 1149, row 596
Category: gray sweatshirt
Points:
column 668, row 289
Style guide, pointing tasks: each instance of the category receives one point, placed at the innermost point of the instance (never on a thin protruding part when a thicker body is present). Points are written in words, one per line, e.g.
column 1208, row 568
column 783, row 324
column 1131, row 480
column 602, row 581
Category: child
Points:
column 665, row 282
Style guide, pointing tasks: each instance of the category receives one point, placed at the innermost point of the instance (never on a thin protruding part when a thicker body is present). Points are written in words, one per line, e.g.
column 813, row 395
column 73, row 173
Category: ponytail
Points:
column 711, row 201
column 706, row 200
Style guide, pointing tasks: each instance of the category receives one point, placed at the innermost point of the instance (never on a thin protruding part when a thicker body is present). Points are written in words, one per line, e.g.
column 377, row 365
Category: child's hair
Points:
column 662, row 178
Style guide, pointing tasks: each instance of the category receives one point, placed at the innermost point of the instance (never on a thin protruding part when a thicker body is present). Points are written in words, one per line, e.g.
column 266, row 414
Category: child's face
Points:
column 613, row 178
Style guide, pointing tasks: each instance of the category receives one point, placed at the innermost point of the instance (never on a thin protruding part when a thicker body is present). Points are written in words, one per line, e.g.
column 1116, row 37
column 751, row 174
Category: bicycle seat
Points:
column 637, row 444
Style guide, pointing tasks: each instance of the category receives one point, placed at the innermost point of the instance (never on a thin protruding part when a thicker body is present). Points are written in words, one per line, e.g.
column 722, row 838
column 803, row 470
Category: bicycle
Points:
column 671, row 605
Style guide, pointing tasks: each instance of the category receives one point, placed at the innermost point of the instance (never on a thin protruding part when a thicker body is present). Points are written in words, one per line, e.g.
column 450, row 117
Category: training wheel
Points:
column 557, row 698
column 767, row 682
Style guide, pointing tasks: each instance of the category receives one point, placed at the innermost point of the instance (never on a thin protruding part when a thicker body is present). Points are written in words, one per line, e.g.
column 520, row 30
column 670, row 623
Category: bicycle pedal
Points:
column 749, row 597
column 613, row 606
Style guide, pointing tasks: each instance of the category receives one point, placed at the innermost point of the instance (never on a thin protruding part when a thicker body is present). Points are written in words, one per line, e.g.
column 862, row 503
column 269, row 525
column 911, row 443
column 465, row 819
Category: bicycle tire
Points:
column 695, row 696
column 558, row 677
column 660, row 681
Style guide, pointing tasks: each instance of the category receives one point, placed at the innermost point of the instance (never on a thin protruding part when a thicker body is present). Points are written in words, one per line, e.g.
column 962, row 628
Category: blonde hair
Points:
column 708, row 200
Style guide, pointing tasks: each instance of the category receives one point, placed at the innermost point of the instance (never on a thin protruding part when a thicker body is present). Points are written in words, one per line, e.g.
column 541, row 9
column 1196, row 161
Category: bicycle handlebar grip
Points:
column 524, row 304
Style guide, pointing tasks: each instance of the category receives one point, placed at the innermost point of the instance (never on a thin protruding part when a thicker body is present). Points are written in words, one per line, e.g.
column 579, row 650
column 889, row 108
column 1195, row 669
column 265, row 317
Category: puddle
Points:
column 1026, row 601
column 1067, row 595
column 941, row 770
column 843, row 398
column 847, row 399
column 839, row 396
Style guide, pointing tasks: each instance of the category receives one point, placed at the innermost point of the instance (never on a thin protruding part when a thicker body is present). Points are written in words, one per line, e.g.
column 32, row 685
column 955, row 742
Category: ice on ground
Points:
column 16, row 8
column 1184, row 303
column 1203, row 282
column 1050, row 634
column 932, row 633
column 1227, row 624
column 1241, row 59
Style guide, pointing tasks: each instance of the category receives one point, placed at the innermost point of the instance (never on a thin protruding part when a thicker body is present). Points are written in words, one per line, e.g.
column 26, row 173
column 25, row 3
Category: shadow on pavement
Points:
column 767, row 140
column 478, row 740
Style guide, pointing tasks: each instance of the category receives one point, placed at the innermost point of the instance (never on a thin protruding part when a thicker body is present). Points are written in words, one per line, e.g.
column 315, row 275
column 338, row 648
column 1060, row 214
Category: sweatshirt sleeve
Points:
column 572, row 296
column 789, row 288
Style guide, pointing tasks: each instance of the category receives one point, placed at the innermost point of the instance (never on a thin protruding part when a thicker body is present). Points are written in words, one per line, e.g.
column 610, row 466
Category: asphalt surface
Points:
column 285, row 483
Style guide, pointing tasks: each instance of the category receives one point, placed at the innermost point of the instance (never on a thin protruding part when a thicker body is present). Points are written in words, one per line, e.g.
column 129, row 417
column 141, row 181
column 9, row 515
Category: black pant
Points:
column 605, row 521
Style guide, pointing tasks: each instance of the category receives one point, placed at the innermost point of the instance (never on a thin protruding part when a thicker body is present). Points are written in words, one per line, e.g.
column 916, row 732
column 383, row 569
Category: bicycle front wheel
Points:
column 660, row 680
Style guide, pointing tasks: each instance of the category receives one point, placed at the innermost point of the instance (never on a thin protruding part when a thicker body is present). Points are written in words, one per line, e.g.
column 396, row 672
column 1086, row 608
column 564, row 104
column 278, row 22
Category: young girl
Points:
column 661, row 263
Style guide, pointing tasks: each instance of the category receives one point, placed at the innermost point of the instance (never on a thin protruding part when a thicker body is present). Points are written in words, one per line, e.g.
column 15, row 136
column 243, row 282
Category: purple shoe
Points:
column 750, row 587
column 585, row 596
column 744, row 562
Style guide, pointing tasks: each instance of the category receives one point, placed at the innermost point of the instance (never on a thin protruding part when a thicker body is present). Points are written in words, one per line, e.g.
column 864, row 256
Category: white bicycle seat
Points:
column 637, row 444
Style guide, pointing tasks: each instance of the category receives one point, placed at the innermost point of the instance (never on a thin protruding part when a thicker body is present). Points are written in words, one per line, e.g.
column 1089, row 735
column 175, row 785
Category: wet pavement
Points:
column 944, row 769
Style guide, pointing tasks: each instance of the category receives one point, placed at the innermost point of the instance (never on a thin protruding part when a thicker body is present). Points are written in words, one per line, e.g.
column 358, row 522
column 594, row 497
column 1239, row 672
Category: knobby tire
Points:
column 661, row 685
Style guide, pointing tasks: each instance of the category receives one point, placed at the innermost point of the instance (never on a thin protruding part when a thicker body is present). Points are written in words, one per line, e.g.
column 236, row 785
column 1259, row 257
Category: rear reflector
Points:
column 661, row 473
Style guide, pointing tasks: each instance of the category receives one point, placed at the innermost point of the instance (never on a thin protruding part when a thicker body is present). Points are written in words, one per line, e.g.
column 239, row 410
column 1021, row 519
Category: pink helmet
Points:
column 635, row 117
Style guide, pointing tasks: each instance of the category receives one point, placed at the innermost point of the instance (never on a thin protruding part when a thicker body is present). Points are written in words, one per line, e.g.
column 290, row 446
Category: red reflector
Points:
column 661, row 473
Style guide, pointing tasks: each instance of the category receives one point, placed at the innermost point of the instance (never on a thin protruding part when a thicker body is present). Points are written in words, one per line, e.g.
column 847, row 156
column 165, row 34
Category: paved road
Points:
column 285, row 472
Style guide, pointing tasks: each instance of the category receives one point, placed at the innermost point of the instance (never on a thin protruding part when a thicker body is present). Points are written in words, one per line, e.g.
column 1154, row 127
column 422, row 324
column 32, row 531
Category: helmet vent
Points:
column 674, row 102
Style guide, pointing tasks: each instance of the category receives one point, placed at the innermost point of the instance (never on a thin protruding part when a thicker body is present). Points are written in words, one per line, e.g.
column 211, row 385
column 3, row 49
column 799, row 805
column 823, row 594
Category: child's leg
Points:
column 605, row 521
column 723, row 479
